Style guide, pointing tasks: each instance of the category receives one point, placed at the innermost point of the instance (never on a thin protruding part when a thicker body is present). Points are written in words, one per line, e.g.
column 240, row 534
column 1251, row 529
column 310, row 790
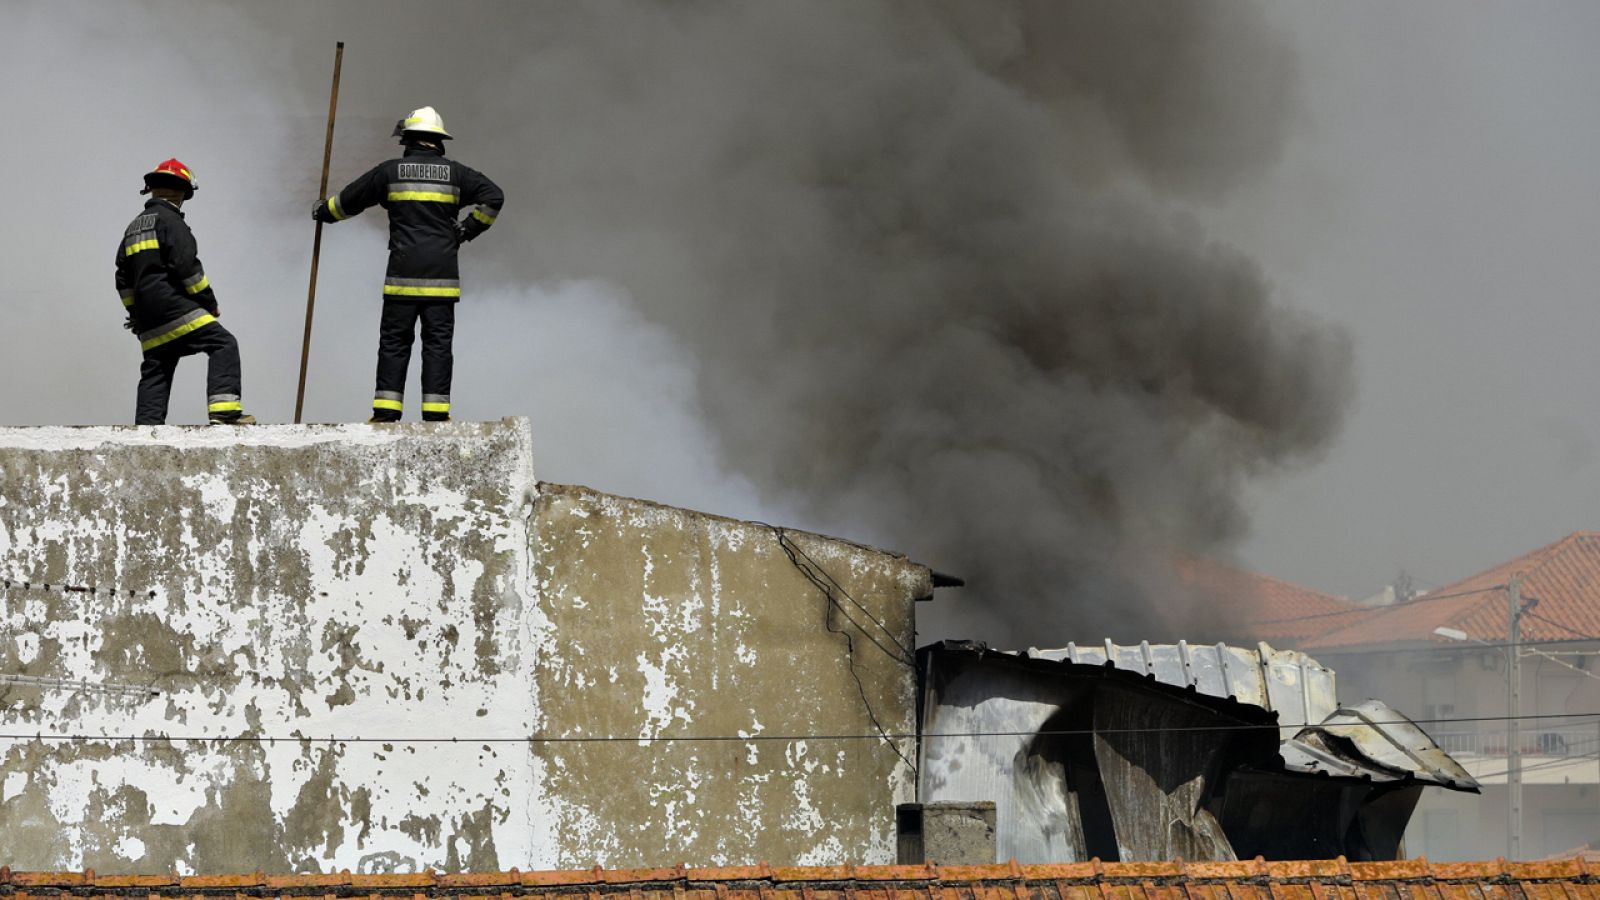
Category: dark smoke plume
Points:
column 939, row 266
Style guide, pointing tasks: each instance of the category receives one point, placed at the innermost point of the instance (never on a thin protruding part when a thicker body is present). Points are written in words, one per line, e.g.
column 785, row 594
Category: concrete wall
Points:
column 667, row 622
column 413, row 594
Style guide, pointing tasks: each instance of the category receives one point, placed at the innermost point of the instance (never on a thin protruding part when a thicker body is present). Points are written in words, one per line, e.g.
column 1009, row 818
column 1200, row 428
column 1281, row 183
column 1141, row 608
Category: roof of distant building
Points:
column 1336, row 879
column 1564, row 576
column 1269, row 609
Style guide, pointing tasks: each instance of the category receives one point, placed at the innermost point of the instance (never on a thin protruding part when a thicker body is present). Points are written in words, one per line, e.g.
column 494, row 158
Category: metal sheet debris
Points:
column 1146, row 752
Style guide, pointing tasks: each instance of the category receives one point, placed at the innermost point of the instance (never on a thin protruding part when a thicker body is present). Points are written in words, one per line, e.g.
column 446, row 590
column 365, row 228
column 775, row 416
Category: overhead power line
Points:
column 740, row 739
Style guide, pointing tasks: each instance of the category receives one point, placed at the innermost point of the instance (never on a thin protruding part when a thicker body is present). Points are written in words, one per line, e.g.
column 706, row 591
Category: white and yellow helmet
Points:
column 425, row 120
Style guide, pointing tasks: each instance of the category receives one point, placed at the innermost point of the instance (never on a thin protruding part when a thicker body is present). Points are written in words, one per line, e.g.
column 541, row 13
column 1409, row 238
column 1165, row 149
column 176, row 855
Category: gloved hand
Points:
column 322, row 213
column 128, row 323
column 462, row 234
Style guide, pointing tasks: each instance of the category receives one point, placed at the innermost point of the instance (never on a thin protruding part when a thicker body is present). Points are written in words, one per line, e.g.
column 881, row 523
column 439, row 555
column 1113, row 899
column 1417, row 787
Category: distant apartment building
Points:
column 1442, row 658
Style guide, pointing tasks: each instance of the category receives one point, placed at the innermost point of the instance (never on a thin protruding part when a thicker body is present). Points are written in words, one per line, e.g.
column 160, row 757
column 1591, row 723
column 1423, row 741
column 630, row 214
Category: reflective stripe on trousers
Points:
column 175, row 329
column 388, row 400
column 397, row 333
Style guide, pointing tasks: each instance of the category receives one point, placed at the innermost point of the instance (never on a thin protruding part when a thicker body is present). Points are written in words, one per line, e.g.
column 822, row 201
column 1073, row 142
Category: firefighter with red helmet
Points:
column 170, row 304
column 424, row 193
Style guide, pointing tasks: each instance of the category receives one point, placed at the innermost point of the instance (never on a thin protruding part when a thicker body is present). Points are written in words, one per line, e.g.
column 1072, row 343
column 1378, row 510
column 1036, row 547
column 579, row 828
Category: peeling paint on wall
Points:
column 283, row 585
column 701, row 626
column 280, row 581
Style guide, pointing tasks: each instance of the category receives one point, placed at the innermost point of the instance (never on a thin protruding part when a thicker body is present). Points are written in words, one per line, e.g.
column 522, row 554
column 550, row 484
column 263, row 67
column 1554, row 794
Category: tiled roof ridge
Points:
column 1527, row 564
column 1284, row 582
column 1560, row 549
column 601, row 880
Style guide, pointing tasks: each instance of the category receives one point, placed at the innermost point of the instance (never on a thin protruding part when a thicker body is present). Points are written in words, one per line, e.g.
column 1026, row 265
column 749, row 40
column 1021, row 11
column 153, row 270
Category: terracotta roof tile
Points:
column 1567, row 879
column 1565, row 576
column 1268, row 609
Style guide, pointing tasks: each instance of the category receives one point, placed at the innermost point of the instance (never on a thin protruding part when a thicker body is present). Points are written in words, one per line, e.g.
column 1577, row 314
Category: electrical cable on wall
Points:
column 816, row 575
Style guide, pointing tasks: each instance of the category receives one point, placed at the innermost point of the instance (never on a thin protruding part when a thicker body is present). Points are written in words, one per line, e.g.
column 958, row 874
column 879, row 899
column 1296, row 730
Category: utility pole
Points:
column 1513, row 709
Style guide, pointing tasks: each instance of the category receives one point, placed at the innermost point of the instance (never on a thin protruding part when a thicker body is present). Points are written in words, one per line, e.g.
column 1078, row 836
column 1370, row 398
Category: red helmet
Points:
column 171, row 173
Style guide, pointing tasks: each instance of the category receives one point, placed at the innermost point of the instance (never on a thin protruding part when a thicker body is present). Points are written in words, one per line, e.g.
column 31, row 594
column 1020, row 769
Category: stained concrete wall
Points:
column 663, row 622
column 413, row 594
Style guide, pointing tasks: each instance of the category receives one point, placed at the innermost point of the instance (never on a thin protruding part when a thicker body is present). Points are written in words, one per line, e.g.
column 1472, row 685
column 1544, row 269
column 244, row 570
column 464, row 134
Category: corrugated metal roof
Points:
column 1370, row 740
column 1336, row 879
column 1293, row 685
column 1387, row 747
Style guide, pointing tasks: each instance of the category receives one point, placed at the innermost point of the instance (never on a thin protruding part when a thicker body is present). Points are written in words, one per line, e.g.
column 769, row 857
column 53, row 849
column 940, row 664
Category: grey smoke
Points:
column 929, row 275
column 935, row 267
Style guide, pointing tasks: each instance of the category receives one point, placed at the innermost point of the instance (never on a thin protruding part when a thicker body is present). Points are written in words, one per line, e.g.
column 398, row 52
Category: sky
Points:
column 1411, row 195
column 1439, row 199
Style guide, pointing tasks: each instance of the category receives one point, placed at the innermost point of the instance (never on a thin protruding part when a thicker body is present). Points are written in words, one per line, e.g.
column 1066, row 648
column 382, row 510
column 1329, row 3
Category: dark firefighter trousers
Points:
column 222, row 373
column 396, row 332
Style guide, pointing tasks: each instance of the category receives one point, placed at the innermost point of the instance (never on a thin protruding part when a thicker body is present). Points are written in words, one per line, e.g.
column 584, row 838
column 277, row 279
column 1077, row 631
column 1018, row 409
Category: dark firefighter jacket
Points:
column 159, row 277
column 424, row 193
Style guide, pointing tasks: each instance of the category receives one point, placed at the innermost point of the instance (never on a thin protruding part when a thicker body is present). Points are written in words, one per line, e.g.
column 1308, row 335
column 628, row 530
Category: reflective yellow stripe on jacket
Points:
column 431, row 191
column 421, row 287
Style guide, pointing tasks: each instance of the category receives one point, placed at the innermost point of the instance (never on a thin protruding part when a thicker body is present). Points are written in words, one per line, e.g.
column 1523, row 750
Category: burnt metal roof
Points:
column 1373, row 741
column 1287, row 682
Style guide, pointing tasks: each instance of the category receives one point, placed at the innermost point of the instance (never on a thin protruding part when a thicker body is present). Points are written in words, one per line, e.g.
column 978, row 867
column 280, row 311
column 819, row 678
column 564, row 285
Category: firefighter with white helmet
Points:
column 170, row 304
column 424, row 193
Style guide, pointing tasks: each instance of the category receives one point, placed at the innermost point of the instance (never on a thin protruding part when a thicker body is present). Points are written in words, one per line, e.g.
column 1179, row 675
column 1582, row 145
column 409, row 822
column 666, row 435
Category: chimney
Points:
column 951, row 834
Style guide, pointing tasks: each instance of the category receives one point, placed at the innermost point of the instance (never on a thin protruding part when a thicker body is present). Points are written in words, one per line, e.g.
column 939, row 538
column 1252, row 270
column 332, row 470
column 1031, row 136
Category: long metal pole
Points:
column 1513, row 708
column 316, row 242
